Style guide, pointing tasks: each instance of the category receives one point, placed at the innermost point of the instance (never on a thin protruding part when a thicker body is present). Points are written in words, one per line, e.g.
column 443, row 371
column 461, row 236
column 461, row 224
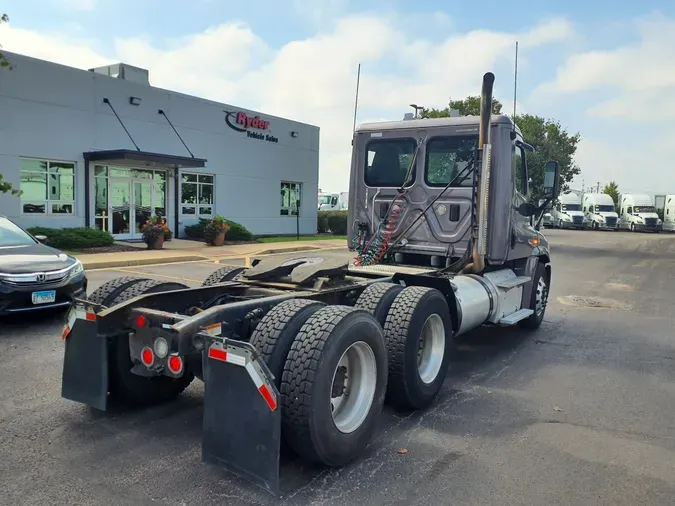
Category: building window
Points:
column 197, row 195
column 290, row 198
column 48, row 187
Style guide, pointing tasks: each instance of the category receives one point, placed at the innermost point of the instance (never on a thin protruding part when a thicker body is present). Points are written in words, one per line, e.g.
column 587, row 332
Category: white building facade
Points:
column 103, row 148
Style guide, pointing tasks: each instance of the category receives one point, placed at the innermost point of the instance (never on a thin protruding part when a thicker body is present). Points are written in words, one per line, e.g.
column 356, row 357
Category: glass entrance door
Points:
column 142, row 205
column 119, row 210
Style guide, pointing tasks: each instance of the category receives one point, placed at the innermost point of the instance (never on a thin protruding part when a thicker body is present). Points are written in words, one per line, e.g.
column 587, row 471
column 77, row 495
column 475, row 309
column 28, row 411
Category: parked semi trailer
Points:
column 307, row 348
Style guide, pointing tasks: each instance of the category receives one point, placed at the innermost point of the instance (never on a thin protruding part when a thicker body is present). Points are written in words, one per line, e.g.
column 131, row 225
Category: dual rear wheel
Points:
column 335, row 365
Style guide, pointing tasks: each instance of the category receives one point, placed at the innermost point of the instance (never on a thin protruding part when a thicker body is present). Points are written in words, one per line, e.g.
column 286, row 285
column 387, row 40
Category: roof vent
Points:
column 408, row 116
column 124, row 71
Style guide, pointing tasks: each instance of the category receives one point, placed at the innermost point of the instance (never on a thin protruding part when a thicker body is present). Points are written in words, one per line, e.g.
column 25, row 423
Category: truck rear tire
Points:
column 131, row 388
column 339, row 348
column 538, row 299
column 275, row 333
column 108, row 291
column 418, row 332
column 223, row 275
column 377, row 299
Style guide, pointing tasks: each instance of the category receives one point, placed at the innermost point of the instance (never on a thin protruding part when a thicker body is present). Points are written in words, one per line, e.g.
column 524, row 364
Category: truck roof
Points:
column 640, row 199
column 433, row 122
column 569, row 197
column 599, row 197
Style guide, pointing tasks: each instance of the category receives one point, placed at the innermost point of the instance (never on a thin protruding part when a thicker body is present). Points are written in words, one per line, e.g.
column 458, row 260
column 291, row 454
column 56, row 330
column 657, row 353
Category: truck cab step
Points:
column 514, row 318
column 513, row 282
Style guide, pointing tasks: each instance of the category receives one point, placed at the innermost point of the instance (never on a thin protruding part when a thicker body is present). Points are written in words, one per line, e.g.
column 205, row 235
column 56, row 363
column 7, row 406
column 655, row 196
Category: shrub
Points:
column 322, row 222
column 74, row 238
column 337, row 222
column 237, row 231
column 216, row 226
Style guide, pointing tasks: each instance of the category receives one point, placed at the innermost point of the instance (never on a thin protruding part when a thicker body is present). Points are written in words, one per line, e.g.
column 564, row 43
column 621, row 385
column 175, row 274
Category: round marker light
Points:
column 175, row 364
column 140, row 321
column 161, row 347
column 147, row 356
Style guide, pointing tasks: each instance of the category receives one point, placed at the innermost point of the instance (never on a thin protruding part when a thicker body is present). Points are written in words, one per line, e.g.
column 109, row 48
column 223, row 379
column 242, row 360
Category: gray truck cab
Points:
column 439, row 150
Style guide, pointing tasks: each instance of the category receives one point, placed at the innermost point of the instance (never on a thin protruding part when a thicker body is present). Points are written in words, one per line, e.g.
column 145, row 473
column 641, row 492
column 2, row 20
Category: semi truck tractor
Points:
column 333, row 201
column 567, row 211
column 599, row 212
column 637, row 213
column 665, row 209
column 444, row 240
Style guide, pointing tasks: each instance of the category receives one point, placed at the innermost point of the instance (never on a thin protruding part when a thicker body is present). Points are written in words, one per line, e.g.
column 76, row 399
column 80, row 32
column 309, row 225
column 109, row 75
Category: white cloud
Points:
column 79, row 5
column 314, row 79
column 636, row 83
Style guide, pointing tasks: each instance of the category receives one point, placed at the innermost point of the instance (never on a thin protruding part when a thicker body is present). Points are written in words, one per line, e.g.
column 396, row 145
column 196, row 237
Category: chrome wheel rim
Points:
column 353, row 387
column 432, row 348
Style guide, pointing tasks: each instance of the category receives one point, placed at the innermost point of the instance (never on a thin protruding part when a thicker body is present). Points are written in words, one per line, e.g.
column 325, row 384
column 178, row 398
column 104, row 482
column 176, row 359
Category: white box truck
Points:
column 599, row 211
column 567, row 213
column 637, row 213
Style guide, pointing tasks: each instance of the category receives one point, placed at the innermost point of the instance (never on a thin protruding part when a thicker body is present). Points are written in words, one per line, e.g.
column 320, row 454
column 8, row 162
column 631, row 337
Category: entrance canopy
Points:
column 143, row 159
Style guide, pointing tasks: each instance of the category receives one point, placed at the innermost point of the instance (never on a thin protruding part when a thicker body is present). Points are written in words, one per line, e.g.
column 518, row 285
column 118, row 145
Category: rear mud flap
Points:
column 242, row 419
column 85, row 363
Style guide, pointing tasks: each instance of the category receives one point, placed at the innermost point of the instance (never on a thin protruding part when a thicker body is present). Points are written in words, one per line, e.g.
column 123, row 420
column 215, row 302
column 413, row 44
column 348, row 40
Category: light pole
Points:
column 417, row 108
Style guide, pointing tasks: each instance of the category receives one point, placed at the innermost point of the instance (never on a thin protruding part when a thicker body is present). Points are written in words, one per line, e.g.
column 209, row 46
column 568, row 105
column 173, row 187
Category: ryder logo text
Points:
column 241, row 122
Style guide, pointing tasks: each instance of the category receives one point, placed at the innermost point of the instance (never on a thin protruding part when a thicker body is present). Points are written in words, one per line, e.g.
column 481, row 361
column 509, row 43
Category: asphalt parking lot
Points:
column 581, row 411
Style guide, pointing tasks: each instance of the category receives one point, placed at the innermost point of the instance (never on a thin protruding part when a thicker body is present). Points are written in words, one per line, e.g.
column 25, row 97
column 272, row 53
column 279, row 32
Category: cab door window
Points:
column 519, row 167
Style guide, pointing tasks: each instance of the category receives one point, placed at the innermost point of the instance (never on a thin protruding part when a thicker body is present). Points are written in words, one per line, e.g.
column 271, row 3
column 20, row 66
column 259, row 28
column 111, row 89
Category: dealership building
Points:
column 103, row 148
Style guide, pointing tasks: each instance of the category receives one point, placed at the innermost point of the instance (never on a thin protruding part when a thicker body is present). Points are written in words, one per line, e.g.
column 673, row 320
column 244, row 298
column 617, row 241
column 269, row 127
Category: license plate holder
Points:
column 44, row 297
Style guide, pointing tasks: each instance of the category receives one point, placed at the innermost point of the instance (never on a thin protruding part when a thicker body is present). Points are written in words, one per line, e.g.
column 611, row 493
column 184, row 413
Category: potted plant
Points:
column 167, row 232
column 153, row 233
column 216, row 230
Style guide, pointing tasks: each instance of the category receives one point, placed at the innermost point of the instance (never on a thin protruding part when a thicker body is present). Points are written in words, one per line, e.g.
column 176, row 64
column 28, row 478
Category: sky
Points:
column 603, row 69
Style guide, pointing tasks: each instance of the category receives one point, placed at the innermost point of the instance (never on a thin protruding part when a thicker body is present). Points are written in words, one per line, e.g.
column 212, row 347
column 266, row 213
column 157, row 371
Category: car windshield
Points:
column 571, row 207
column 324, row 200
column 604, row 209
column 12, row 235
column 644, row 209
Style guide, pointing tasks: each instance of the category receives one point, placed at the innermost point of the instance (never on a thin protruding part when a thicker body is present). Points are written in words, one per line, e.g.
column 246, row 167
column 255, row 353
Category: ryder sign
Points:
column 253, row 126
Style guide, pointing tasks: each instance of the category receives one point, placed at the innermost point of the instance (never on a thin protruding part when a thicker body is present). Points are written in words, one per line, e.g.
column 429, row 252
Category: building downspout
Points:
column 176, row 192
column 482, row 181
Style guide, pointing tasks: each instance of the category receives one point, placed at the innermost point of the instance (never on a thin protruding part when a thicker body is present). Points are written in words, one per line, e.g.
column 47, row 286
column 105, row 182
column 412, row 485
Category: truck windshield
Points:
column 447, row 157
column 604, row 209
column 644, row 209
column 387, row 162
column 571, row 207
column 324, row 200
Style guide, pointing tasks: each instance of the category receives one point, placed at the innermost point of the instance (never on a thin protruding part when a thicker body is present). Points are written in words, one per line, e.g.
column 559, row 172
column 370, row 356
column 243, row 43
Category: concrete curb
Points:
column 94, row 264
column 284, row 250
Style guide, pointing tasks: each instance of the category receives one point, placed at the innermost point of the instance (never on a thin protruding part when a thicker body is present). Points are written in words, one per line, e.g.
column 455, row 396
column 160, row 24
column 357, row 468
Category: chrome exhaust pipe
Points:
column 483, row 177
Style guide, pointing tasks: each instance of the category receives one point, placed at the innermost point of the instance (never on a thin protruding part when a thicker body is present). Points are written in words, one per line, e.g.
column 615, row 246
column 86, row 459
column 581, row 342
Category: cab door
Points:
column 521, row 227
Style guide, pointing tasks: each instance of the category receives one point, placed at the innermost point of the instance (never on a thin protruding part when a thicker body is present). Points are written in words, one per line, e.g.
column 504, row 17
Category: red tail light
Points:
column 147, row 356
column 175, row 364
column 140, row 321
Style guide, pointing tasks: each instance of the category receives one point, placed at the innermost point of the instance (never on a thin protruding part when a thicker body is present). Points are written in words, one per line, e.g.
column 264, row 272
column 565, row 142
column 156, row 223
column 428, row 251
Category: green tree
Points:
column 612, row 189
column 550, row 140
column 6, row 187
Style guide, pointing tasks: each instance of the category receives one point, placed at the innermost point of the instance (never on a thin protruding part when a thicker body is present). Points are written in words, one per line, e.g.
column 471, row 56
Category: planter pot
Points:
column 219, row 240
column 157, row 243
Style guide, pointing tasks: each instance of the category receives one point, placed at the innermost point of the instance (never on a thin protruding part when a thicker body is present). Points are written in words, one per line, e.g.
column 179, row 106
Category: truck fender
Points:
column 529, row 268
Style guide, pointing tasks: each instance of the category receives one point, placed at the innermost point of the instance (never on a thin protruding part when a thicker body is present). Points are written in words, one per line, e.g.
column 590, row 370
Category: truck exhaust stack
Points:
column 482, row 189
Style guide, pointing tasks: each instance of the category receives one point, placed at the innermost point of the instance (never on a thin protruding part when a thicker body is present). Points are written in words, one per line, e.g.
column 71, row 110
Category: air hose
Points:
column 375, row 249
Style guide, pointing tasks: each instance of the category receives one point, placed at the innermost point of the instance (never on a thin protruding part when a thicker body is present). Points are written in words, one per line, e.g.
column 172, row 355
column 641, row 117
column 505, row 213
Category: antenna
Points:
column 515, row 87
column 356, row 100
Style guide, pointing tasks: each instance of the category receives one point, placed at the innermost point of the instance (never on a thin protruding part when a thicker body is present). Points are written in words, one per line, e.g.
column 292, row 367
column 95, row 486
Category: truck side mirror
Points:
column 551, row 180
